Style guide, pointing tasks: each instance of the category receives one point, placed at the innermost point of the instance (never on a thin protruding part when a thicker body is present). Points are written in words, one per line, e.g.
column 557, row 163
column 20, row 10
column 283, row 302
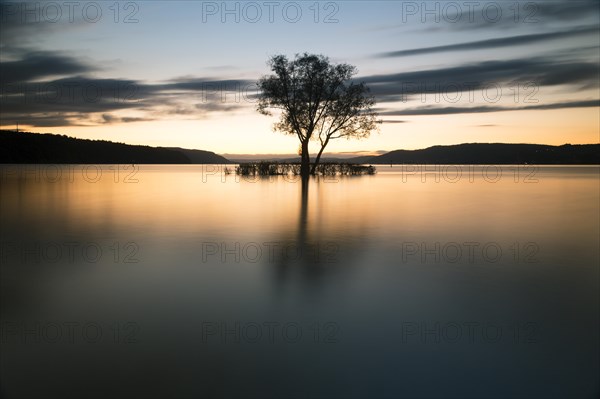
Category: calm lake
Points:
column 181, row 281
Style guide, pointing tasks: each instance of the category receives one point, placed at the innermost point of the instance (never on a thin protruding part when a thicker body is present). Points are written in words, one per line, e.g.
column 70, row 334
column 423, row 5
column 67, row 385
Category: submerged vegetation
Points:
column 324, row 169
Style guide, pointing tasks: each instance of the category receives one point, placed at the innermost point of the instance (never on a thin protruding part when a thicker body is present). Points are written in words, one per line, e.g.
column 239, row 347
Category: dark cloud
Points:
column 428, row 110
column 79, row 100
column 46, row 119
column 108, row 118
column 494, row 43
column 31, row 93
column 40, row 64
column 25, row 22
column 26, row 97
column 208, row 84
column 501, row 15
column 465, row 78
column 74, row 94
column 566, row 10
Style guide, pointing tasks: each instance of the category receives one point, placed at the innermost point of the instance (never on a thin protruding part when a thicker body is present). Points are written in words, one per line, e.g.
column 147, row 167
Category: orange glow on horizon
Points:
column 252, row 134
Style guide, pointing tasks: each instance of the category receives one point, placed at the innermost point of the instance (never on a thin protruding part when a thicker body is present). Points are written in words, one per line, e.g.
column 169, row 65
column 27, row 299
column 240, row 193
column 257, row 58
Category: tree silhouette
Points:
column 317, row 101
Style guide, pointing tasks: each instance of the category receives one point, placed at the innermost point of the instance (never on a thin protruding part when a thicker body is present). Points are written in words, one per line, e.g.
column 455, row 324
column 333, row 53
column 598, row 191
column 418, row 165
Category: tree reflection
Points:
column 313, row 251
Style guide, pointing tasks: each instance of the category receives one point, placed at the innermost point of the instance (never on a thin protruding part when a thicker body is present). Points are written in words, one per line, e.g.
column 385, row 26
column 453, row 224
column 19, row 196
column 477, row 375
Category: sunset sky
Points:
column 183, row 73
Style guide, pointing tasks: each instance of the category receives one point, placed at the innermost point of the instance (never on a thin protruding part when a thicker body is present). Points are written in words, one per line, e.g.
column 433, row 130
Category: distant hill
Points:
column 200, row 156
column 24, row 147
column 495, row 153
column 361, row 159
column 286, row 160
column 53, row 148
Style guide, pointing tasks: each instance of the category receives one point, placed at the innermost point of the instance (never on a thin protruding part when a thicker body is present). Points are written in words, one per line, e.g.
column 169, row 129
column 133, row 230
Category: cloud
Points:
column 208, row 85
column 43, row 120
column 86, row 101
column 510, row 14
column 566, row 10
column 25, row 21
column 39, row 64
column 465, row 78
column 52, row 89
column 428, row 110
column 108, row 118
column 494, row 43
column 73, row 94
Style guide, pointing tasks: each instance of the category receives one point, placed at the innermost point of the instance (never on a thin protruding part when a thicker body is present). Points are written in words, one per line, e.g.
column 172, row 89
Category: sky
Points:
column 184, row 73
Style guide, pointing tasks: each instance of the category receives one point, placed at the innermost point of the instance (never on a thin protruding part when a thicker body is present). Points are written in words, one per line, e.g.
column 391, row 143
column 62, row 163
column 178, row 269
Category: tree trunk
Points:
column 305, row 165
column 318, row 158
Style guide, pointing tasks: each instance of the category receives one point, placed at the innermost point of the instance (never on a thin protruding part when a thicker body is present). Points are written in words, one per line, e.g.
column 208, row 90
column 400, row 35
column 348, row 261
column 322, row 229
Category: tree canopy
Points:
column 318, row 101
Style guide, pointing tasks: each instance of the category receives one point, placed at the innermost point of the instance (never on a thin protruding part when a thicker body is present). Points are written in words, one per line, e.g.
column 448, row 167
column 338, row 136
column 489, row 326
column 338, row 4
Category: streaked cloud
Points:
column 500, row 15
column 519, row 40
column 537, row 71
column 430, row 110
column 74, row 100
column 39, row 64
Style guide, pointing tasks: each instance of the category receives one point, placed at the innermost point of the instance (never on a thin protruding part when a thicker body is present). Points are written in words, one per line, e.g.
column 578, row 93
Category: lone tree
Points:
column 317, row 101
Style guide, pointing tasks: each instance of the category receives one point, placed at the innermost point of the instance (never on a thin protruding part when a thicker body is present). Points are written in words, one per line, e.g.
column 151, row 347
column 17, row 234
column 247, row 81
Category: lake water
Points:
column 184, row 282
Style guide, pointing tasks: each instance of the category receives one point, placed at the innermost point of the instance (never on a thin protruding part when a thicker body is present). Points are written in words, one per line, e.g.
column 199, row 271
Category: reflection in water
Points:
column 311, row 252
column 390, row 269
column 308, row 253
column 303, row 222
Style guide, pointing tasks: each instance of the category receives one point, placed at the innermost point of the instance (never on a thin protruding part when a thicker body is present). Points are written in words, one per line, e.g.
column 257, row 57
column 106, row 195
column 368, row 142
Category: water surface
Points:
column 181, row 281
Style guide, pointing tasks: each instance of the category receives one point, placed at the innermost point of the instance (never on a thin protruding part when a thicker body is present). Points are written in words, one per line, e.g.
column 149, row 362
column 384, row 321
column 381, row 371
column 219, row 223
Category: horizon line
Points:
column 292, row 155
